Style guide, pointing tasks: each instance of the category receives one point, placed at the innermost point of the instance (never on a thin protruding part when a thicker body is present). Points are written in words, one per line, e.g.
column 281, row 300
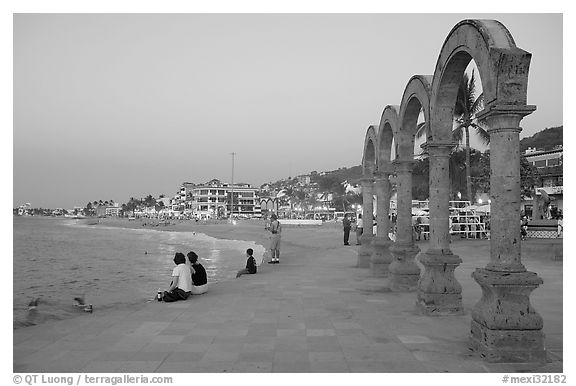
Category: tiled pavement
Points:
column 314, row 312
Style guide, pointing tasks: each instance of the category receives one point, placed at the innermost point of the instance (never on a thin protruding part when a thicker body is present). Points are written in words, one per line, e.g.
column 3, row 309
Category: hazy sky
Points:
column 109, row 106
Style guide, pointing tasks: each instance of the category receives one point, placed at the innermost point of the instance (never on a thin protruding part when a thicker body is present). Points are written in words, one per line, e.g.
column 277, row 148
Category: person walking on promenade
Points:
column 359, row 229
column 346, row 224
column 250, row 264
column 524, row 228
column 560, row 226
column 276, row 229
column 181, row 285
column 199, row 277
column 418, row 228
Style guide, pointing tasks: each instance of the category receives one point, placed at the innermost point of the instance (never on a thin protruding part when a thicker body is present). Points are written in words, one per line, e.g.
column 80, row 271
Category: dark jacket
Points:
column 346, row 222
column 199, row 277
column 251, row 265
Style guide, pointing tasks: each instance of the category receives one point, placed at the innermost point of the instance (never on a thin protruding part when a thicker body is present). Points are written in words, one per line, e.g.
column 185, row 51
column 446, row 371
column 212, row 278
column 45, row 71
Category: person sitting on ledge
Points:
column 199, row 278
column 181, row 285
column 250, row 264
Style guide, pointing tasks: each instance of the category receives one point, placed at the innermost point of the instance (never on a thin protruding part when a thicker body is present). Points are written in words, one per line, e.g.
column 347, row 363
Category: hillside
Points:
column 546, row 139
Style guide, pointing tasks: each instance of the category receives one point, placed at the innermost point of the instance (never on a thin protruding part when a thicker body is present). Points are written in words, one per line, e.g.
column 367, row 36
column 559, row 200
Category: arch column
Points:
column 381, row 256
column 365, row 250
column 505, row 327
column 439, row 293
column 404, row 273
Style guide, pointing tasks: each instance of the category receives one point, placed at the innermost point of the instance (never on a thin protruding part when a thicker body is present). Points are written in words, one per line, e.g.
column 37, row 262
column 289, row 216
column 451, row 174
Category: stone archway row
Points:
column 504, row 327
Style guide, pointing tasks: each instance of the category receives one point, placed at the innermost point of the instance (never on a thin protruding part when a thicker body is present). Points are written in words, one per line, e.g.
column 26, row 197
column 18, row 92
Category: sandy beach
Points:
column 313, row 312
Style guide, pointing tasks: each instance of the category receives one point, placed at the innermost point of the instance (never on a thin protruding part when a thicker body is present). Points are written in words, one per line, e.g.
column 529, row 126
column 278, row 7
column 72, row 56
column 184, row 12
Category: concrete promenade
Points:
column 313, row 312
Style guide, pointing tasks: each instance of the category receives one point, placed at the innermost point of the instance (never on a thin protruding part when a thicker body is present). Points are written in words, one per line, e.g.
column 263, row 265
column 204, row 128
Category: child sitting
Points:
column 250, row 264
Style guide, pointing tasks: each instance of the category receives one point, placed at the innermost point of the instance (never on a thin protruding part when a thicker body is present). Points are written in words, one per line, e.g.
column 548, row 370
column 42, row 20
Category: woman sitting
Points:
column 199, row 278
column 181, row 285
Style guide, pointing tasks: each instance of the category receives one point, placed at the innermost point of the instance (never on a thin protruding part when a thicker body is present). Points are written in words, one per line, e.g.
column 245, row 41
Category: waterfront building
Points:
column 212, row 199
column 549, row 164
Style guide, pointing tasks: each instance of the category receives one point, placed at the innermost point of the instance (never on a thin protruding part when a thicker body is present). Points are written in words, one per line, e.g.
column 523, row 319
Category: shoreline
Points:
column 314, row 312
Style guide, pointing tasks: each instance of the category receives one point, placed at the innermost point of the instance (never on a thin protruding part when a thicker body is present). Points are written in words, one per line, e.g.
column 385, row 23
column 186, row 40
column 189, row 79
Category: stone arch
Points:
column 370, row 155
column 503, row 69
column 504, row 309
column 416, row 97
column 388, row 126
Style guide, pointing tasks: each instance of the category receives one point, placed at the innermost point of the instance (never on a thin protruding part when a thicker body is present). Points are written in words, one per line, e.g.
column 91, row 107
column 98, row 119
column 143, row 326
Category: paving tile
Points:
column 101, row 367
column 252, row 367
column 329, row 367
column 115, row 356
column 191, row 347
column 212, row 366
column 320, row 332
column 198, row 339
column 168, row 339
column 291, row 332
column 323, row 344
column 184, row 357
column 327, row 356
column 151, row 328
column 258, row 347
column 290, row 356
column 175, row 367
column 219, row 356
column 414, row 339
column 346, row 325
column 152, row 356
column 256, row 356
column 291, row 367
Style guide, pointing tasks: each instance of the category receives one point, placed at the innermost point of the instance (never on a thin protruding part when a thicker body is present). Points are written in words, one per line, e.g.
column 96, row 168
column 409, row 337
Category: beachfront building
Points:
column 212, row 199
column 549, row 164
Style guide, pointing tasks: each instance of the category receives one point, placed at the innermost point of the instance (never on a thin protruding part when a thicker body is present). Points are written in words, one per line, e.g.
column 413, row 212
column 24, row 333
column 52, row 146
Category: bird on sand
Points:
column 80, row 301
column 33, row 304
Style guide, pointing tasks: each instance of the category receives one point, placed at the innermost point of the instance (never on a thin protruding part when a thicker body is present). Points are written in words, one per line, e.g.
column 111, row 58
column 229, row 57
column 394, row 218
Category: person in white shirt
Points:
column 181, row 285
column 359, row 229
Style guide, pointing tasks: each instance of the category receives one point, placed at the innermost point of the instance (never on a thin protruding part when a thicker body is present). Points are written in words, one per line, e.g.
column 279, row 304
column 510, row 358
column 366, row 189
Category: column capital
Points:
column 366, row 180
column 403, row 165
column 382, row 175
column 439, row 148
column 504, row 117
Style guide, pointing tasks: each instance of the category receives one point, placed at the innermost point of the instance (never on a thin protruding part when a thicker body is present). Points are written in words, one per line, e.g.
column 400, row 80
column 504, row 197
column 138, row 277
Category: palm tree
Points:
column 468, row 104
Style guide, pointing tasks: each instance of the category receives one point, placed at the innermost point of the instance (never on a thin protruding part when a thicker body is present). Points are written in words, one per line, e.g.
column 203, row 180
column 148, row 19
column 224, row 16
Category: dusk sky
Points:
column 109, row 106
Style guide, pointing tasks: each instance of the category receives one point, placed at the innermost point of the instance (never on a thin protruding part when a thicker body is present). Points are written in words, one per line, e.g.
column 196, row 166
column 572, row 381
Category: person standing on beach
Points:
column 181, row 285
column 276, row 229
column 199, row 278
column 359, row 229
column 346, row 225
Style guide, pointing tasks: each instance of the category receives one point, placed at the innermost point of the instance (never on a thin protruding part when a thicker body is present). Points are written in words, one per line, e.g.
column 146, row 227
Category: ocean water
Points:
column 57, row 259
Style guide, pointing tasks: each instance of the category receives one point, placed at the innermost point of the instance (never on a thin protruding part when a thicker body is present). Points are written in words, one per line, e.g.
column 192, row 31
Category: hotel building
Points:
column 213, row 199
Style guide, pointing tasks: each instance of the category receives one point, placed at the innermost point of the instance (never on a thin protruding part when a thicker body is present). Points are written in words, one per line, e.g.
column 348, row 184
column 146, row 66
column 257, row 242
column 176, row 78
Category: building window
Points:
column 204, row 192
column 553, row 161
column 540, row 163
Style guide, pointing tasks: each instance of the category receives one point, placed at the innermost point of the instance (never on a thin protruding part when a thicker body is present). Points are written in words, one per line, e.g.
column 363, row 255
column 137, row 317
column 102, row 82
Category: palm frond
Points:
column 478, row 104
column 458, row 133
column 482, row 133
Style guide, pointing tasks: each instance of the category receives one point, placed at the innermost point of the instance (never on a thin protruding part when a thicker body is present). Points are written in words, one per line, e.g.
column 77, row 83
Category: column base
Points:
column 439, row 293
column 508, row 346
column 365, row 252
column 505, row 327
column 404, row 272
column 381, row 257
